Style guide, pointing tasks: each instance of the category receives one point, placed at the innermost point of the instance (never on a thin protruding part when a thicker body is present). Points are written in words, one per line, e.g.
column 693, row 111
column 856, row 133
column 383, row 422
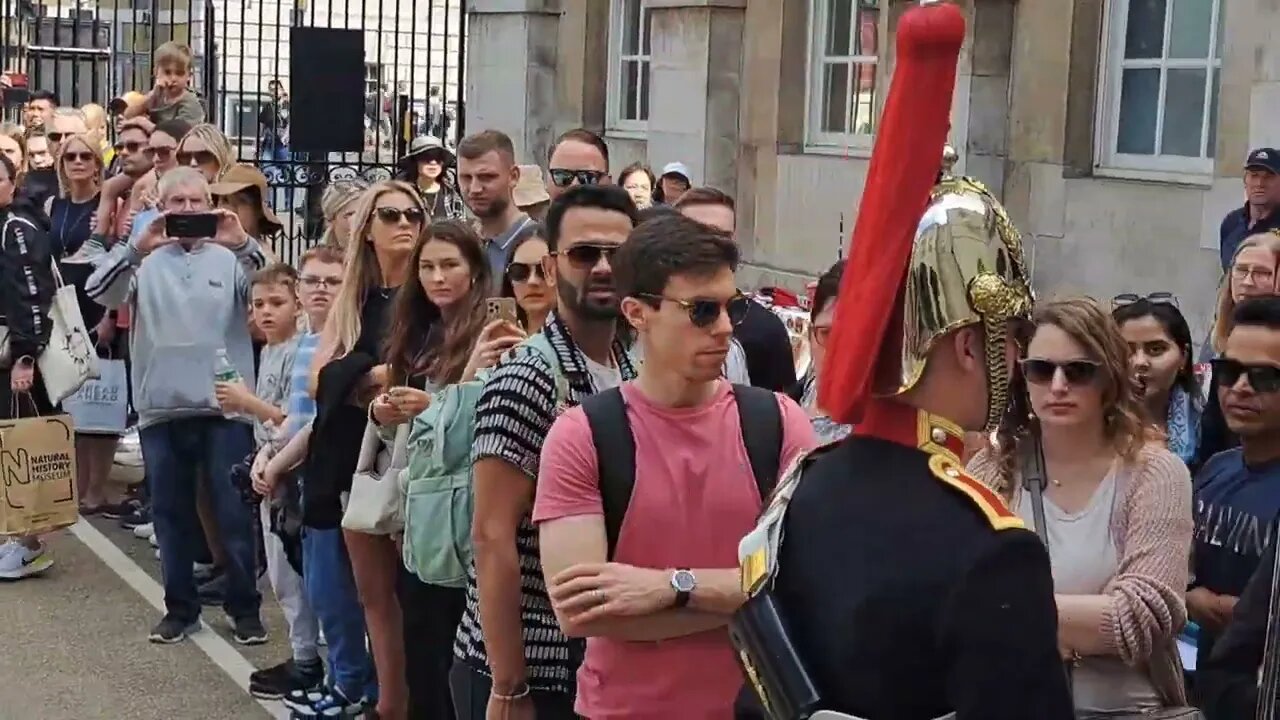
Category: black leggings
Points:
column 431, row 617
column 471, row 696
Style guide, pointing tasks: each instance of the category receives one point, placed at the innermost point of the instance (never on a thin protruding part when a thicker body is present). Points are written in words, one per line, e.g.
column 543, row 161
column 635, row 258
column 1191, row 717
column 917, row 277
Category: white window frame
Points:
column 816, row 140
column 1112, row 64
column 617, row 124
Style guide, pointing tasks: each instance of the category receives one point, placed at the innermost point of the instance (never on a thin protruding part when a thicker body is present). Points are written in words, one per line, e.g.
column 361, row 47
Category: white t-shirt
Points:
column 603, row 377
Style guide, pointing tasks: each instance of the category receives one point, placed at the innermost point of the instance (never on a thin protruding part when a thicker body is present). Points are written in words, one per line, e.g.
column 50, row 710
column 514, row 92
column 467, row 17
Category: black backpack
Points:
column 758, row 414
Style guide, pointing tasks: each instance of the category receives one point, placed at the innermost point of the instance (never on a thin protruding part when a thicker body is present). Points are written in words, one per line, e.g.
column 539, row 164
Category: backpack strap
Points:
column 615, row 455
column 761, row 421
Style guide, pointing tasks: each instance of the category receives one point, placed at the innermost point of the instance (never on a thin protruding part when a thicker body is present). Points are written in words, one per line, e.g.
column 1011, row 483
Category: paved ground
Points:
column 73, row 642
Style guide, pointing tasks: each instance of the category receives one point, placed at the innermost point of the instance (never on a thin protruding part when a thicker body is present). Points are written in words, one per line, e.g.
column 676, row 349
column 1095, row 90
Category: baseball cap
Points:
column 1263, row 159
column 677, row 168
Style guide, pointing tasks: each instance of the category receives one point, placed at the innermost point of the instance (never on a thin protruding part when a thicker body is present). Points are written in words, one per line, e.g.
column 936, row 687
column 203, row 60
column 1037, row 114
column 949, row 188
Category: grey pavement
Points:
column 73, row 646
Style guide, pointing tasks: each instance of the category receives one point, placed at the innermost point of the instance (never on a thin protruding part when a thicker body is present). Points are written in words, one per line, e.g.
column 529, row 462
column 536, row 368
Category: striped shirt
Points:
column 514, row 414
column 301, row 407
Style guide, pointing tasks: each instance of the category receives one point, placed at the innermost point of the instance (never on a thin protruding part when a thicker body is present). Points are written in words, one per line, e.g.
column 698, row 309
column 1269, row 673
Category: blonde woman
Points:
column 13, row 145
column 338, row 205
column 347, row 372
column 1117, row 511
column 206, row 149
column 1252, row 273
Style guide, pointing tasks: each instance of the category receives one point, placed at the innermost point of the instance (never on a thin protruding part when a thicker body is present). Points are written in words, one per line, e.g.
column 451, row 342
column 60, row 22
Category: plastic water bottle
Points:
column 224, row 371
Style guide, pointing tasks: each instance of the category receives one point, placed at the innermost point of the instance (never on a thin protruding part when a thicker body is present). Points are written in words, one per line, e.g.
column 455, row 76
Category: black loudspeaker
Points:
column 326, row 89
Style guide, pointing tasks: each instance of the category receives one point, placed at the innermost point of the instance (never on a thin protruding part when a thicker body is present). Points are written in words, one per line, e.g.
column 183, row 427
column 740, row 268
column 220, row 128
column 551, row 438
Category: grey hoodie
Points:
column 186, row 305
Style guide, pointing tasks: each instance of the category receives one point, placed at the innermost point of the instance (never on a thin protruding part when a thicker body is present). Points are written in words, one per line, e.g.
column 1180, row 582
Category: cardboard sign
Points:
column 38, row 467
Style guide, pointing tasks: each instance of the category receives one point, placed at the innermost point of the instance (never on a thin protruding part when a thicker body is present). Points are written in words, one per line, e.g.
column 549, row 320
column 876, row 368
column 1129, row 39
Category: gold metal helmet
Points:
column 967, row 267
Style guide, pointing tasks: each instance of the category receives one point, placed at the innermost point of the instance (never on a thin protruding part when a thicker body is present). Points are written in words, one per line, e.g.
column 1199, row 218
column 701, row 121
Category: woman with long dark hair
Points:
column 26, row 291
column 1160, row 360
column 436, row 322
column 430, row 168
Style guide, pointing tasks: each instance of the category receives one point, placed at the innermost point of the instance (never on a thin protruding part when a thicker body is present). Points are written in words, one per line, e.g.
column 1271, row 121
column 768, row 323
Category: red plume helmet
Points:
column 866, row 337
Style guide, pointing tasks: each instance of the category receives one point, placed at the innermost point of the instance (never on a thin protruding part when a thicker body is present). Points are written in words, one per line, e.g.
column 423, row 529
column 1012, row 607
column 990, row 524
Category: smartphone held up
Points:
column 191, row 225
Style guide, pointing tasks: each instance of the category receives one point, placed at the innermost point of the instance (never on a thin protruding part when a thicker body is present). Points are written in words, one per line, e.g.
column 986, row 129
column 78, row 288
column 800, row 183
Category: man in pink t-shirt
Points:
column 655, row 613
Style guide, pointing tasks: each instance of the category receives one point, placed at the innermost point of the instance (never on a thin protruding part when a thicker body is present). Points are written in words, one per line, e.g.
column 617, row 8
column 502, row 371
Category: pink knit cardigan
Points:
column 1152, row 527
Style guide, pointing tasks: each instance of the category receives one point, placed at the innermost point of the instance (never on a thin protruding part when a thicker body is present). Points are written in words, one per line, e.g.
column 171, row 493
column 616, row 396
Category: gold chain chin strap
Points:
column 997, row 371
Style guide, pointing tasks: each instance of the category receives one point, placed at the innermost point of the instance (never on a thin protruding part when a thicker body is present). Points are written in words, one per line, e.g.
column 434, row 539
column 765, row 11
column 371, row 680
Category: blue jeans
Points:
column 331, row 591
column 174, row 453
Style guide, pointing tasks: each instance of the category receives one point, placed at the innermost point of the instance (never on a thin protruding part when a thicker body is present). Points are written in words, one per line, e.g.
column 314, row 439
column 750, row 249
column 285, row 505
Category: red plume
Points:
column 866, row 336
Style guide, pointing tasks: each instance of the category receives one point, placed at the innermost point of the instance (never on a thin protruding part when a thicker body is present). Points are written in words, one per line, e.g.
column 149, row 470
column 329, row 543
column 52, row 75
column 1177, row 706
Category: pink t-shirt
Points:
column 694, row 499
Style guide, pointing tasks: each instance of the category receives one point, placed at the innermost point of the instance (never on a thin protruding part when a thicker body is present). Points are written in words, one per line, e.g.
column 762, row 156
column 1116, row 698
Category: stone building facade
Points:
column 1114, row 131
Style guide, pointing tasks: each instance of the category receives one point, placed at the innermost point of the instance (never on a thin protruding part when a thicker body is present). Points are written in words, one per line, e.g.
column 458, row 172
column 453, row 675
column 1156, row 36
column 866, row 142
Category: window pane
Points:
column 1144, row 32
column 839, row 25
column 835, row 98
column 1189, row 28
column 630, row 27
column 1222, row 15
column 1183, row 112
column 1212, row 141
column 1139, row 97
column 868, row 31
column 644, row 91
column 645, row 43
column 630, row 89
column 865, row 99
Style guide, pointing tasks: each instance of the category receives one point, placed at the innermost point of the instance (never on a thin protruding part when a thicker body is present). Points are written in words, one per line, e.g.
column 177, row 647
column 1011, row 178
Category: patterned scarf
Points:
column 1183, row 424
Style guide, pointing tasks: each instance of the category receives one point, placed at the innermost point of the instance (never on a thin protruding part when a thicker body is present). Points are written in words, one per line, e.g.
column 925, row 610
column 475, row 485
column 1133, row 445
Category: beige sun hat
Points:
column 531, row 189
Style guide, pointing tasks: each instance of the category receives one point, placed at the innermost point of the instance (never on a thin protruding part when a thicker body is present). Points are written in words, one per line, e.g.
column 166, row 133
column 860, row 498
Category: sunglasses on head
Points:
column 200, row 157
column 391, row 215
column 521, row 272
column 588, row 255
column 77, row 157
column 564, row 178
column 1160, row 297
column 1039, row 371
column 1262, row 378
column 705, row 312
column 132, row 147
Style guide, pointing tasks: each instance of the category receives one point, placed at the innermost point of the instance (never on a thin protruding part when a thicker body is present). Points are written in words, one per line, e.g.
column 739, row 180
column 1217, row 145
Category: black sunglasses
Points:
column 201, row 157
column 1041, row 372
column 77, row 157
column 160, row 152
column 132, row 147
column 391, row 215
column 521, row 272
column 587, row 255
column 704, row 312
column 1161, row 297
column 56, row 136
column 1262, row 378
column 564, row 178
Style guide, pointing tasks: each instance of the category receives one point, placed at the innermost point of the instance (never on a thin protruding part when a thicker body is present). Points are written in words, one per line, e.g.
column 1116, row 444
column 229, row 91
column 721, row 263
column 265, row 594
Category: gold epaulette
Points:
column 992, row 506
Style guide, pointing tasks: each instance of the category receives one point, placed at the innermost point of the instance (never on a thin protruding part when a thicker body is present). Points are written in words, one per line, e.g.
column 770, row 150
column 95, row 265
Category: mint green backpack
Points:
column 437, row 482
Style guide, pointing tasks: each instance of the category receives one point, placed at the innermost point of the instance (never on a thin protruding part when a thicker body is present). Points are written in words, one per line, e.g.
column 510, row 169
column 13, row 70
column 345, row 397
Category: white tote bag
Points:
column 375, row 505
column 69, row 359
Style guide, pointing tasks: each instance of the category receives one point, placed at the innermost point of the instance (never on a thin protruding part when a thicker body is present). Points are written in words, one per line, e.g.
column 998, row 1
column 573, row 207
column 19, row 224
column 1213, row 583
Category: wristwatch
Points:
column 684, row 583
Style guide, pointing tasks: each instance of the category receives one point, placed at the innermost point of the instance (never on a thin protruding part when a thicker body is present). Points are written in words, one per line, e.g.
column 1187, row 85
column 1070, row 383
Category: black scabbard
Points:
column 773, row 668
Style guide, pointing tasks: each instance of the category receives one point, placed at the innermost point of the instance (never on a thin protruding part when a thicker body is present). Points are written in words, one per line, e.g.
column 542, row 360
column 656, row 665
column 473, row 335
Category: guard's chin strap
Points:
column 997, row 371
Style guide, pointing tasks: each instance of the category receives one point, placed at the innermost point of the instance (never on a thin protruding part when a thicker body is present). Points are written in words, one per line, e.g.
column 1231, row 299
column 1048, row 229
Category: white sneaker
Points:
column 144, row 531
column 20, row 562
column 155, row 541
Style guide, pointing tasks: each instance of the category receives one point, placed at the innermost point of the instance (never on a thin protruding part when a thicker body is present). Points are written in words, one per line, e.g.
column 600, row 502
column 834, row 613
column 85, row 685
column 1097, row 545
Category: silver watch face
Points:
column 683, row 581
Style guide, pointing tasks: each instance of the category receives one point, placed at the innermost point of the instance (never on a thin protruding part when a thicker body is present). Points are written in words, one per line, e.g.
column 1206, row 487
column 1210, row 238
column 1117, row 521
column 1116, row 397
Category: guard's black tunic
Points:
column 904, row 596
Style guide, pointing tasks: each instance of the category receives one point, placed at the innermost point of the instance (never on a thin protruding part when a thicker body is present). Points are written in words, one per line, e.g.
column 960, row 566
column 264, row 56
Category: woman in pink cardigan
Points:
column 1117, row 511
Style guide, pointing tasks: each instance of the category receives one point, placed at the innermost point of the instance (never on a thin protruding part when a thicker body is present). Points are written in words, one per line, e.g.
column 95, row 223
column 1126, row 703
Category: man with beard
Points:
column 512, row 655
column 487, row 176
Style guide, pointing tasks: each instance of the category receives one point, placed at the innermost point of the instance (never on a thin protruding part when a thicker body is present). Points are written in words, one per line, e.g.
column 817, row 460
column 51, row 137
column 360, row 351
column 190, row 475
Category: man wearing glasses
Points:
column 677, row 444
column 1237, row 492
column 578, row 157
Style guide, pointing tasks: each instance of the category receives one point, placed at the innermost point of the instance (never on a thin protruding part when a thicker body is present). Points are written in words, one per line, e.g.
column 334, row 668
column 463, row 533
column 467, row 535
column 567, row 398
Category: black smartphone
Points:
column 192, row 225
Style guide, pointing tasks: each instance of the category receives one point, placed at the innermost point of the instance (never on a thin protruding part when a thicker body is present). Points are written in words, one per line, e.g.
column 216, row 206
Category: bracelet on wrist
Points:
column 522, row 691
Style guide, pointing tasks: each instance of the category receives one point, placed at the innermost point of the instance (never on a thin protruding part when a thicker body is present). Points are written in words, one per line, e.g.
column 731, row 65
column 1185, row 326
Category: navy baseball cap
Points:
column 1263, row 159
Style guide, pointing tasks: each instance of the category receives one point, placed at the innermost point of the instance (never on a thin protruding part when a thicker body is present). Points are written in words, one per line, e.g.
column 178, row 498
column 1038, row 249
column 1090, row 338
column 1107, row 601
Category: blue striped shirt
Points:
column 302, row 407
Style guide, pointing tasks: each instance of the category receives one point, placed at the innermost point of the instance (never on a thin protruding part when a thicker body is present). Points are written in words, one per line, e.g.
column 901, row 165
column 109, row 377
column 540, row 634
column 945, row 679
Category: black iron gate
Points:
column 414, row 58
